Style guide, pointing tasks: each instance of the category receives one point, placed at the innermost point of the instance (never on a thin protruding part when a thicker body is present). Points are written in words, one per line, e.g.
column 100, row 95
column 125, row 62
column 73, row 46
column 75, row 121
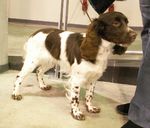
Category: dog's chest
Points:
column 94, row 68
column 92, row 71
column 103, row 53
column 99, row 67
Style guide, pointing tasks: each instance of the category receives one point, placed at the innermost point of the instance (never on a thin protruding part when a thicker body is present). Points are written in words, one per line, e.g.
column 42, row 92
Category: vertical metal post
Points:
column 61, row 15
column 57, row 68
column 66, row 15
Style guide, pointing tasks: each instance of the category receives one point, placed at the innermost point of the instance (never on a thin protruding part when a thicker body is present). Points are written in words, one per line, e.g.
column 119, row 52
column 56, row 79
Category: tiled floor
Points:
column 51, row 109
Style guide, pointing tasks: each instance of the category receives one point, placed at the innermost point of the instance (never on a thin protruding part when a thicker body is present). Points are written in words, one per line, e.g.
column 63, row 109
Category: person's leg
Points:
column 130, row 124
column 139, row 111
column 145, row 11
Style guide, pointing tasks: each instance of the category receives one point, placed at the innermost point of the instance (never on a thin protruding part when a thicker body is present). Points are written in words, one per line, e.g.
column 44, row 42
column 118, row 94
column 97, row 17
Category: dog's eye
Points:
column 116, row 24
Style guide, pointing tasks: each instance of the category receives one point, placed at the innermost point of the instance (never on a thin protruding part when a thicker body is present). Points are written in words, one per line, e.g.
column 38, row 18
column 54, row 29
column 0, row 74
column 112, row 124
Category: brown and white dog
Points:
column 84, row 56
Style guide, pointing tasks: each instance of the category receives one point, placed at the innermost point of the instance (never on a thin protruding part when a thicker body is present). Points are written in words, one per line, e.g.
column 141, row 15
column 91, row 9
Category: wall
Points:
column 131, row 9
column 48, row 10
column 3, row 36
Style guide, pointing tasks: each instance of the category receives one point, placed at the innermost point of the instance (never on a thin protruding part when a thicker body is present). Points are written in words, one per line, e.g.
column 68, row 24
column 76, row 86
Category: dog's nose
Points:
column 132, row 34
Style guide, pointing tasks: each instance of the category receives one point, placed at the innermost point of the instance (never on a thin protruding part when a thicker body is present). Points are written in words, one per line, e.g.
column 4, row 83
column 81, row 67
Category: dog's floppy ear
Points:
column 98, row 26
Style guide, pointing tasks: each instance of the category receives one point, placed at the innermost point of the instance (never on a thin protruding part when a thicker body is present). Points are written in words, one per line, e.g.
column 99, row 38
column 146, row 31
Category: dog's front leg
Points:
column 88, row 99
column 75, row 111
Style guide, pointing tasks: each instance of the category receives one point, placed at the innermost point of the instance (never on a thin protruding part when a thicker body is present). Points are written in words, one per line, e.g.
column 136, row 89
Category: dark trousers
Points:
column 139, row 111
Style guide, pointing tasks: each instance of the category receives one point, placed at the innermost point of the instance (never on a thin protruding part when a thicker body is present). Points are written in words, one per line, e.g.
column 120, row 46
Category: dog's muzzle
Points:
column 121, row 48
column 131, row 36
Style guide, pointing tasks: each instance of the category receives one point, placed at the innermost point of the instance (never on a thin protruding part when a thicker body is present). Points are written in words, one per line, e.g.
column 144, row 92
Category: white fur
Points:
column 64, row 64
column 35, row 48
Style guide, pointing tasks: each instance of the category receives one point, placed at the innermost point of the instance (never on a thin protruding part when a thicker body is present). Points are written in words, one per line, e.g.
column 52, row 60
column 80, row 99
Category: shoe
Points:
column 130, row 124
column 123, row 109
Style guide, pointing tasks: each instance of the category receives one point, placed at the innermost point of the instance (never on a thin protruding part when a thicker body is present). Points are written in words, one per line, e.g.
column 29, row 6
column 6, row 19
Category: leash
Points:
column 84, row 4
column 84, row 8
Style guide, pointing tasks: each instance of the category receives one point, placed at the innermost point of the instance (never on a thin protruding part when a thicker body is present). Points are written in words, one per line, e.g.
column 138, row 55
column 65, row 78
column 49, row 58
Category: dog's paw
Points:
column 45, row 88
column 16, row 97
column 78, row 115
column 93, row 109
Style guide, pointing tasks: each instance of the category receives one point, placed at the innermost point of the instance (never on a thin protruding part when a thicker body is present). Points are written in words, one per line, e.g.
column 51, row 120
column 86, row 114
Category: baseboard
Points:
column 15, row 62
column 37, row 22
column 123, row 75
column 4, row 68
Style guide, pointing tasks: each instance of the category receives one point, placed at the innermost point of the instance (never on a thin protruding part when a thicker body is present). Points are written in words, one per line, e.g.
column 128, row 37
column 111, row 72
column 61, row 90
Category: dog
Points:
column 83, row 55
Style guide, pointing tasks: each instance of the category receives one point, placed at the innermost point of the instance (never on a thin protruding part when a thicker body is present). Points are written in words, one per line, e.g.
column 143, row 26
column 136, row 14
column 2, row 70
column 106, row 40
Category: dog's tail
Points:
column 24, row 50
column 26, row 47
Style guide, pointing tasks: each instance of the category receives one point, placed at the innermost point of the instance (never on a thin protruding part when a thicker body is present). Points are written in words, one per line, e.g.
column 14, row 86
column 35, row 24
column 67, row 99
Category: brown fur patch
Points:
column 90, row 45
column 73, row 47
column 87, row 48
column 53, row 43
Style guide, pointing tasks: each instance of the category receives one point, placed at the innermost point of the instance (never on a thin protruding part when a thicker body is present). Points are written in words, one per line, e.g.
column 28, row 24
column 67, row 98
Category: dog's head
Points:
column 113, row 27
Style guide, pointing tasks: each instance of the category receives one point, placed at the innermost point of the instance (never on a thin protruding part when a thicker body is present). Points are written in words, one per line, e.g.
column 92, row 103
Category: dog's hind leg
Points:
column 88, row 99
column 27, row 68
column 40, row 73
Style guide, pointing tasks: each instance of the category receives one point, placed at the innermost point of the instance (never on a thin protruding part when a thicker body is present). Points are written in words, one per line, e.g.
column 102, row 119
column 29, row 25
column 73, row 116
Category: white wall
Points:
column 132, row 10
column 48, row 10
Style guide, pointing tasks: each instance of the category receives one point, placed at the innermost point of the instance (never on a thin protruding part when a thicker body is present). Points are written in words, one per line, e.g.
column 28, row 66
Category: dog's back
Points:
column 55, row 46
